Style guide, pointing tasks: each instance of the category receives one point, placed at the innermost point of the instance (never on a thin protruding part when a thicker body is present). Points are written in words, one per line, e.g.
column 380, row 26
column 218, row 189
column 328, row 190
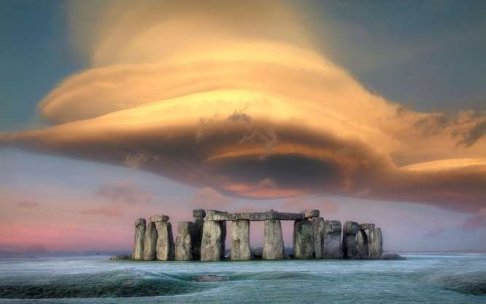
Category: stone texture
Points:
column 138, row 247
column 198, row 215
column 319, row 233
column 332, row 240
column 240, row 240
column 361, row 244
column 212, row 245
column 184, row 245
column 273, row 245
column 303, row 239
column 375, row 243
column 350, row 230
column 150, row 242
column 309, row 213
column 215, row 215
column 165, row 239
column 159, row 218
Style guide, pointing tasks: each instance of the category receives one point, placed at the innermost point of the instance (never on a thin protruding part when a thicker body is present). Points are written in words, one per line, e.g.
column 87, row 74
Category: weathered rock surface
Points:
column 240, row 240
column 319, row 234
column 350, row 250
column 375, row 243
column 184, row 246
column 303, row 239
column 332, row 240
column 138, row 247
column 150, row 242
column 198, row 215
column 212, row 245
column 310, row 213
column 273, row 245
column 165, row 239
column 361, row 244
column 216, row 215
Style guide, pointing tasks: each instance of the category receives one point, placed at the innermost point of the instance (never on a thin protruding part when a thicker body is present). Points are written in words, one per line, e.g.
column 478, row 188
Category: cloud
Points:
column 124, row 193
column 208, row 198
column 435, row 232
column 112, row 210
column 244, row 105
column 326, row 207
column 27, row 204
column 475, row 221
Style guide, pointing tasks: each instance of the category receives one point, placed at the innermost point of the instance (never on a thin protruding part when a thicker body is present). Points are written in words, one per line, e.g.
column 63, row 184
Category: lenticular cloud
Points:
column 237, row 99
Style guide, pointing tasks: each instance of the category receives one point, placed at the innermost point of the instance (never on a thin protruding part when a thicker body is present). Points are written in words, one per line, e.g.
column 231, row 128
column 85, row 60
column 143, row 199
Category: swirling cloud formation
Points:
column 234, row 97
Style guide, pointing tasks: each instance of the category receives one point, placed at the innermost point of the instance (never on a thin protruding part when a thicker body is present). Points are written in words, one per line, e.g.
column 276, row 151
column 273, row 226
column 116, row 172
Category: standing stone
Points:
column 361, row 245
column 184, row 247
column 165, row 239
column 350, row 230
column 138, row 247
column 375, row 243
column 240, row 240
column 303, row 240
column 150, row 249
column 319, row 232
column 332, row 240
column 212, row 245
column 198, row 215
column 273, row 245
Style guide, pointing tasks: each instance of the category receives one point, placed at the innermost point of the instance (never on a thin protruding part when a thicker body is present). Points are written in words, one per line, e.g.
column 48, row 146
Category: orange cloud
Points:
column 240, row 102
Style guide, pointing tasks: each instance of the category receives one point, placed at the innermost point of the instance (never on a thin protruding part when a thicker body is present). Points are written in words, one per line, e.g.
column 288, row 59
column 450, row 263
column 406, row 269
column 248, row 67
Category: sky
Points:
column 369, row 111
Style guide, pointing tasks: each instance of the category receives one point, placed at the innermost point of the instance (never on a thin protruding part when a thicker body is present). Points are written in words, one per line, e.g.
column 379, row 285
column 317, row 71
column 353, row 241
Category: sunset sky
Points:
column 369, row 111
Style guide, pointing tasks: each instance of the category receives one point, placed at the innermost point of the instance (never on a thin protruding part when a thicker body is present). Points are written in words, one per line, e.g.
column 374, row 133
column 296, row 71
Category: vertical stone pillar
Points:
column 150, row 242
column 212, row 245
column 240, row 240
column 350, row 230
column 273, row 245
column 184, row 247
column 319, row 233
column 365, row 240
column 138, row 247
column 332, row 240
column 165, row 239
column 303, row 239
column 361, row 245
column 375, row 243
column 198, row 215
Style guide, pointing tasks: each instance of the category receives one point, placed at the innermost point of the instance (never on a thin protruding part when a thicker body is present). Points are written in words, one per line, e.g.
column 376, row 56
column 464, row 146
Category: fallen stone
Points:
column 138, row 247
column 240, row 240
column 303, row 240
column 273, row 246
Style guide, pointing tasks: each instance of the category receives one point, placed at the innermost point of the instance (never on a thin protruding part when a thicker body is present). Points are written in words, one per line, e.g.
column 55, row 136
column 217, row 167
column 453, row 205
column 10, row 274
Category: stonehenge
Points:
column 212, row 244
column 240, row 240
column 332, row 248
column 204, row 238
column 350, row 244
column 150, row 242
column 138, row 247
column 184, row 246
column 273, row 245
